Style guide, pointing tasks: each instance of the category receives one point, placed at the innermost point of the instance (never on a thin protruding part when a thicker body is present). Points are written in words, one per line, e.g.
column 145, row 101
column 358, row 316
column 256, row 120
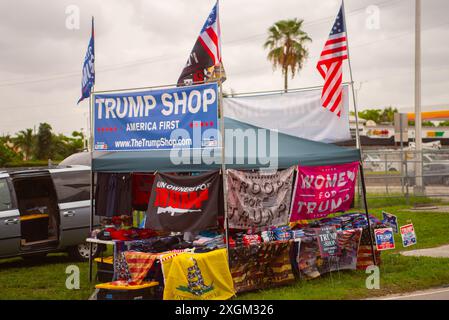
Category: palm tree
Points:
column 25, row 140
column 286, row 42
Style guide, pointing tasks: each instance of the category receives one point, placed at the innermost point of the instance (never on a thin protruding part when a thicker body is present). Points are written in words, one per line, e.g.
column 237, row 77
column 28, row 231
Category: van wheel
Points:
column 35, row 258
column 81, row 251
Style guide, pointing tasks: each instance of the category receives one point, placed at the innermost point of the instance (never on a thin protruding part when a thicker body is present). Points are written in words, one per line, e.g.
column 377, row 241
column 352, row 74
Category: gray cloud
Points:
column 144, row 43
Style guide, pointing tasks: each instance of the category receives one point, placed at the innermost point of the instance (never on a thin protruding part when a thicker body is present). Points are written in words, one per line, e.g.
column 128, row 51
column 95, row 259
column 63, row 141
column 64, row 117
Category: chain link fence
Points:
column 400, row 174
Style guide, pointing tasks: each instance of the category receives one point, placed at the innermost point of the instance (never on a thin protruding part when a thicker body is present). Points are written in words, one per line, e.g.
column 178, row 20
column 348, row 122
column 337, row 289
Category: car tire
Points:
column 35, row 258
column 81, row 251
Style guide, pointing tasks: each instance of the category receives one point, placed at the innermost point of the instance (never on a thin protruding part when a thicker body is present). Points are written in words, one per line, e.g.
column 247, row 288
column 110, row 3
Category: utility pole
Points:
column 418, row 116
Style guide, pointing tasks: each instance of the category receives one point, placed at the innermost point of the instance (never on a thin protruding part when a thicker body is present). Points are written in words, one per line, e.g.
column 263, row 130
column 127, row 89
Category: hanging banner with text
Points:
column 183, row 203
column 259, row 199
column 323, row 190
column 157, row 119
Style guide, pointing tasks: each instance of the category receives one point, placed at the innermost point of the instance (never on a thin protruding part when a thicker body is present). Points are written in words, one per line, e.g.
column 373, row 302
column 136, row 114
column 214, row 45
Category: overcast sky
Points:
column 146, row 43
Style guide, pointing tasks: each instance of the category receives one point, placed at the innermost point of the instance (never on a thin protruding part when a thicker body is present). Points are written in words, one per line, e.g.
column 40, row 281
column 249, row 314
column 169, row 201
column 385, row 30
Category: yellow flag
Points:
column 198, row 276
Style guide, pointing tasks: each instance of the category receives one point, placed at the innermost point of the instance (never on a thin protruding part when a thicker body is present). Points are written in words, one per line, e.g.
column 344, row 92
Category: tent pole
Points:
column 357, row 137
column 92, row 208
column 365, row 203
column 92, row 183
column 223, row 163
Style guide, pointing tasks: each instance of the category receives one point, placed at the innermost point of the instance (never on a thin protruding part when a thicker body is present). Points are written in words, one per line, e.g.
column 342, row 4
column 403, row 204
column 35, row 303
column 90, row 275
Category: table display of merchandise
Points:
column 177, row 248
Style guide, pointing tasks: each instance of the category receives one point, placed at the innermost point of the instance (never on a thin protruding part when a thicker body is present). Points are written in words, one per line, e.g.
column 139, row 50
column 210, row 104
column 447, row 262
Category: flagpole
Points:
column 92, row 174
column 223, row 156
column 92, row 184
column 358, row 143
column 357, row 136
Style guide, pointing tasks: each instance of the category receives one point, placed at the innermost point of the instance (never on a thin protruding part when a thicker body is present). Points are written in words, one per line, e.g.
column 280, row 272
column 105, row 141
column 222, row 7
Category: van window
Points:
column 5, row 196
column 72, row 186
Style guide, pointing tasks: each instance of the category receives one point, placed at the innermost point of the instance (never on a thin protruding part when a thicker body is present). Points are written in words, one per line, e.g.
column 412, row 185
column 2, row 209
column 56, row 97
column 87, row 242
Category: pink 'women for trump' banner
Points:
column 323, row 190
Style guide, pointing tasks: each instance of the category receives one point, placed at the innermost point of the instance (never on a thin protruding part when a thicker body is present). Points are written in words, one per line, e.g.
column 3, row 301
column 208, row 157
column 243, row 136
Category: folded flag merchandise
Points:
column 200, row 276
column 261, row 266
column 184, row 203
column 139, row 263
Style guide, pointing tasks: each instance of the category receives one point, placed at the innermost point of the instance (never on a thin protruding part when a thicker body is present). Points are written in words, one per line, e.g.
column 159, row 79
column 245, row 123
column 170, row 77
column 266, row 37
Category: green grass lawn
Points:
column 23, row 280
column 26, row 280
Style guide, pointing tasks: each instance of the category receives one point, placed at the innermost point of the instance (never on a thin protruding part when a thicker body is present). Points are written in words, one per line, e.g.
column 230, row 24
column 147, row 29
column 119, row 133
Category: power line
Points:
column 115, row 67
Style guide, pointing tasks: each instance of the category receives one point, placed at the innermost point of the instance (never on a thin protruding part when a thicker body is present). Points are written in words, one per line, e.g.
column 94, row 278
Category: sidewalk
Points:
column 432, row 294
column 438, row 252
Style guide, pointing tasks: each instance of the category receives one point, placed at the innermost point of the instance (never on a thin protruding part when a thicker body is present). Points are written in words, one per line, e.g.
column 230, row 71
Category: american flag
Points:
column 210, row 36
column 204, row 63
column 330, row 66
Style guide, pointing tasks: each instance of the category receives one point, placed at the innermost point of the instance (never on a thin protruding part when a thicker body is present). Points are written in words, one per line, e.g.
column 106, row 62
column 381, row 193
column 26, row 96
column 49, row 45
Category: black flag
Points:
column 204, row 63
column 183, row 204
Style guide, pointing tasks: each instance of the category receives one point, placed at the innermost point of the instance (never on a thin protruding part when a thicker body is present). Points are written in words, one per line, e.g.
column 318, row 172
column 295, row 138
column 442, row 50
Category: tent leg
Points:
column 365, row 203
column 223, row 165
column 226, row 220
column 91, row 222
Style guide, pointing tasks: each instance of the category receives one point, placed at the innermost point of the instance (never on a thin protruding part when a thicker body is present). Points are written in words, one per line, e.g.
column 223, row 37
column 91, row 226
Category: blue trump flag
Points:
column 88, row 79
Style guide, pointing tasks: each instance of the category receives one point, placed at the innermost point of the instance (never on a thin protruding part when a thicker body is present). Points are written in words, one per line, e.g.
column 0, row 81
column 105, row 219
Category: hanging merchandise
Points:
column 142, row 185
column 198, row 276
column 323, row 190
column 113, row 195
column 408, row 235
column 259, row 199
column 184, row 203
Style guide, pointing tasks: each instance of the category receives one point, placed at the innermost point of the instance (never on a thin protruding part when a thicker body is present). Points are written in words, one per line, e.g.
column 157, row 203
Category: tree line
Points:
column 387, row 116
column 27, row 146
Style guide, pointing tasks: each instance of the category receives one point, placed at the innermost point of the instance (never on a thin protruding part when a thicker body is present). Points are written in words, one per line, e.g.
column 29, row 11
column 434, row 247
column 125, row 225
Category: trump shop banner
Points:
column 156, row 119
column 183, row 203
column 323, row 190
column 259, row 199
